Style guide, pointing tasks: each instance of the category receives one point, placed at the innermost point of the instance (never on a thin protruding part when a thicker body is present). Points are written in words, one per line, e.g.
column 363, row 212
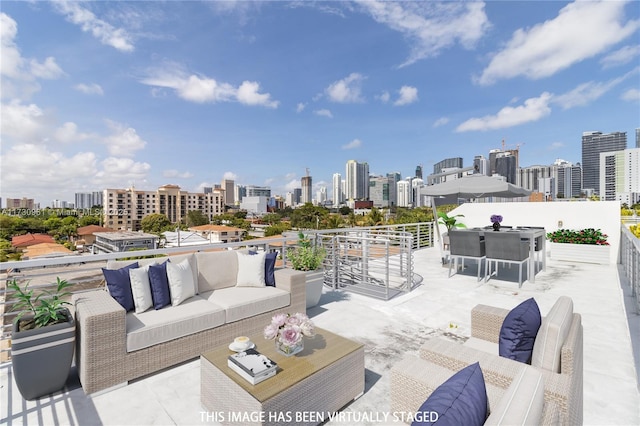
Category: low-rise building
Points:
column 119, row 241
column 219, row 233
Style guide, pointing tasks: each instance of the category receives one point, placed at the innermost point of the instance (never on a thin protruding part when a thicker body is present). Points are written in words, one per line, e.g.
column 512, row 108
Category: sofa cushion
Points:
column 552, row 335
column 216, row 270
column 172, row 322
column 192, row 263
column 250, row 270
column 523, row 402
column 117, row 264
column 245, row 302
column 181, row 285
column 519, row 330
column 141, row 288
column 159, row 285
column 269, row 267
column 461, row 400
column 119, row 285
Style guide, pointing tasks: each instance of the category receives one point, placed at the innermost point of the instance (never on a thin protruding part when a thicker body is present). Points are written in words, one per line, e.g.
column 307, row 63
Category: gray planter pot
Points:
column 41, row 358
column 315, row 282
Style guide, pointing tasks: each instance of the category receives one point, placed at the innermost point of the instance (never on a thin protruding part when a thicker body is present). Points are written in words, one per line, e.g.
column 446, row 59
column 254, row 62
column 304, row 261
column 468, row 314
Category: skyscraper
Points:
column 307, row 186
column 379, row 190
column 394, row 178
column 594, row 143
column 419, row 172
column 338, row 195
column 447, row 163
column 404, row 193
column 229, row 191
column 620, row 176
column 357, row 186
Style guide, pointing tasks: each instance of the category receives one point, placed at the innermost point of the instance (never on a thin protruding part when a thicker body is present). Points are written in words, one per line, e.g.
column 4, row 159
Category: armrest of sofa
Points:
column 486, row 322
column 295, row 282
column 100, row 339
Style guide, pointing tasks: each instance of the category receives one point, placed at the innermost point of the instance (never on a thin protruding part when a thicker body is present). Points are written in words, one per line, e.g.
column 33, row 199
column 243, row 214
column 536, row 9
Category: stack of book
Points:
column 252, row 366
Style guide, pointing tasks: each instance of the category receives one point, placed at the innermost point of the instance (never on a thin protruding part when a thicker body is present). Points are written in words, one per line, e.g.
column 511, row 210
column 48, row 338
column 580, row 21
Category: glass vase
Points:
column 496, row 226
column 287, row 350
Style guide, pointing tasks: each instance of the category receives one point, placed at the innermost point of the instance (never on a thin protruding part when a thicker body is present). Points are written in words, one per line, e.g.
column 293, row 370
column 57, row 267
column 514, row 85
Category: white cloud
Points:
column 581, row 30
column 384, row 97
column 109, row 35
column 124, row 141
column 202, row 89
column 621, row 56
column 89, row 89
column 292, row 184
column 431, row 27
column 172, row 173
column 230, row 176
column 556, row 145
column 27, row 123
column 532, row 110
column 323, row 113
column 12, row 62
column 68, row 133
column 408, row 95
column 586, row 93
column 631, row 95
column 356, row 143
column 347, row 90
column 48, row 70
column 300, row 107
column 248, row 94
column 440, row 122
column 121, row 172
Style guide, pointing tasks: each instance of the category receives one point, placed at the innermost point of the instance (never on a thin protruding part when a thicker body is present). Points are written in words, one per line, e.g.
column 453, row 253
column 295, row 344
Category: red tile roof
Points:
column 30, row 239
column 90, row 229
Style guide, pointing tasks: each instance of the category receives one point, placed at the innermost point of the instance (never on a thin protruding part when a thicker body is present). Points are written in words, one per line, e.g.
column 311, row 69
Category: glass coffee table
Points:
column 308, row 387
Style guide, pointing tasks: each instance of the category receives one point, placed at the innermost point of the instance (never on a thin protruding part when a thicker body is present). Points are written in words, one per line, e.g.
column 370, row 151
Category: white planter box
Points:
column 586, row 253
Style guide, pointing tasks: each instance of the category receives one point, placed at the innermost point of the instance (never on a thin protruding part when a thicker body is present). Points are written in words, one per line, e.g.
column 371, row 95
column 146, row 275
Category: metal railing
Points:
column 630, row 260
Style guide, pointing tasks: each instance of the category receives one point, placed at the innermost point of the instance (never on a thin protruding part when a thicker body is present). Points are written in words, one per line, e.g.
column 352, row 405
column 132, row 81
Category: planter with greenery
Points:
column 42, row 339
column 308, row 257
column 586, row 245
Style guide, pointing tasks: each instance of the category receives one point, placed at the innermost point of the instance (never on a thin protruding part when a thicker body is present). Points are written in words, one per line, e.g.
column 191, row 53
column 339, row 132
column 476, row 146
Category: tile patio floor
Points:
column 389, row 330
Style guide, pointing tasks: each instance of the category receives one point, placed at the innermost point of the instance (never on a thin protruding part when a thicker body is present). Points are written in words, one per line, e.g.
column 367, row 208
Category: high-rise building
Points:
column 258, row 191
column 447, row 163
column 419, row 171
column 404, row 193
column 481, row 165
column 506, row 165
column 239, row 192
column 307, row 188
column 567, row 179
column 297, row 195
column 594, row 143
column 416, row 199
column 229, row 191
column 637, row 138
column 394, row 178
column 338, row 193
column 321, row 196
column 357, row 182
column 125, row 208
column 380, row 191
column 21, row 203
column 86, row 200
column 620, row 176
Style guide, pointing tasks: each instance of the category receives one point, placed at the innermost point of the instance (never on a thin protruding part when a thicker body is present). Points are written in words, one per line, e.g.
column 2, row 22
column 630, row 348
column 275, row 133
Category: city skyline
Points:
column 112, row 94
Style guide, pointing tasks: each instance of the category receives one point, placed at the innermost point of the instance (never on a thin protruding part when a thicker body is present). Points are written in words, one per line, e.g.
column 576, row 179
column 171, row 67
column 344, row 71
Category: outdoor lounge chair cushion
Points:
column 181, row 285
column 159, row 285
column 158, row 326
column 519, row 330
column 461, row 400
column 119, row 285
column 244, row 302
column 552, row 335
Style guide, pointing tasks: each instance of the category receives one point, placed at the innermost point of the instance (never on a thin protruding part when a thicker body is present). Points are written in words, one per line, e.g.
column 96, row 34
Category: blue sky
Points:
column 108, row 94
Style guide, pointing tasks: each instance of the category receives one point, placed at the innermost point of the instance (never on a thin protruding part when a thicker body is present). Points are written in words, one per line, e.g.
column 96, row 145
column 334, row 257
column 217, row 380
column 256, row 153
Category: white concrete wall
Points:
column 603, row 215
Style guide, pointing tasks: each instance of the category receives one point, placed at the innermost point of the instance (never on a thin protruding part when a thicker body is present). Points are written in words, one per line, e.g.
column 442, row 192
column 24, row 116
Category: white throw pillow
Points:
column 141, row 288
column 181, row 285
column 251, row 270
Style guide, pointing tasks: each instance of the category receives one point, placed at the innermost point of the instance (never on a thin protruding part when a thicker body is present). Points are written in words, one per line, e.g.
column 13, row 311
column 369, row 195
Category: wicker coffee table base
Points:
column 307, row 402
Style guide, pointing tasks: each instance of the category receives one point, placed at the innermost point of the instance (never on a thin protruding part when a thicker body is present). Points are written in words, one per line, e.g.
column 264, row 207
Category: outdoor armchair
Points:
column 466, row 244
column 506, row 247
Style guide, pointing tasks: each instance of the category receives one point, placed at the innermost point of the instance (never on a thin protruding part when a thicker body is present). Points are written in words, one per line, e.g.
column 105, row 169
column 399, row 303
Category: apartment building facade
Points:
column 125, row 208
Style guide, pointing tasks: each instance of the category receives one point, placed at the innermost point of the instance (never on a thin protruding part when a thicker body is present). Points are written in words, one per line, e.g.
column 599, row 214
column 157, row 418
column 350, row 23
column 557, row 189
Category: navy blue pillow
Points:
column 269, row 268
column 461, row 400
column 159, row 285
column 519, row 331
column 119, row 285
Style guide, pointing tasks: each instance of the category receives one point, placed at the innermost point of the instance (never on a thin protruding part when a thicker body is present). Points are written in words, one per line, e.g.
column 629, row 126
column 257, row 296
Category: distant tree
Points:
column 334, row 221
column 345, row 210
column 271, row 218
column 89, row 219
column 375, row 217
column 52, row 223
column 156, row 223
column 308, row 216
column 276, row 229
column 242, row 214
column 196, row 218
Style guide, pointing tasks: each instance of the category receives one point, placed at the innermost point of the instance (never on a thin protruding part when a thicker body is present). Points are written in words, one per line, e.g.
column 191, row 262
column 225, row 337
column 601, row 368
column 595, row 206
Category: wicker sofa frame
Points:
column 101, row 353
column 564, row 389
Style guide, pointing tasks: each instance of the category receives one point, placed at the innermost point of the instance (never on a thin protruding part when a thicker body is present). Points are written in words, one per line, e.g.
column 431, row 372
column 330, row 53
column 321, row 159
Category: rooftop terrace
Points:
column 390, row 329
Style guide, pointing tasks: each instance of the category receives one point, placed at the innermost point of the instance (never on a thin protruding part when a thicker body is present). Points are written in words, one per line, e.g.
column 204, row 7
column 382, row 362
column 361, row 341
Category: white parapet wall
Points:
column 603, row 215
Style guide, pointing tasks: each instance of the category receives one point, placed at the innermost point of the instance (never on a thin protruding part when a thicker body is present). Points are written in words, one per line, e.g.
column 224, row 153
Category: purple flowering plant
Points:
column 289, row 329
column 496, row 218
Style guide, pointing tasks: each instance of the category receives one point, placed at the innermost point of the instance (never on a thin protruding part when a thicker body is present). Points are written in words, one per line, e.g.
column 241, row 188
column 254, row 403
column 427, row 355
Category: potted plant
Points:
column 308, row 257
column 450, row 221
column 42, row 339
column 586, row 245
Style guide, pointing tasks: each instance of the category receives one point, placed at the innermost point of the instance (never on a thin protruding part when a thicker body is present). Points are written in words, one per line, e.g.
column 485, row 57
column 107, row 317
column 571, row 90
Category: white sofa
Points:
column 114, row 346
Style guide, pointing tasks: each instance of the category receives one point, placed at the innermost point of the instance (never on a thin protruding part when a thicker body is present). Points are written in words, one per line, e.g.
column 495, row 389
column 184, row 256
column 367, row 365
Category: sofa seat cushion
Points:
column 245, row 302
column 523, row 403
column 216, row 270
column 172, row 322
column 552, row 335
column 482, row 345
